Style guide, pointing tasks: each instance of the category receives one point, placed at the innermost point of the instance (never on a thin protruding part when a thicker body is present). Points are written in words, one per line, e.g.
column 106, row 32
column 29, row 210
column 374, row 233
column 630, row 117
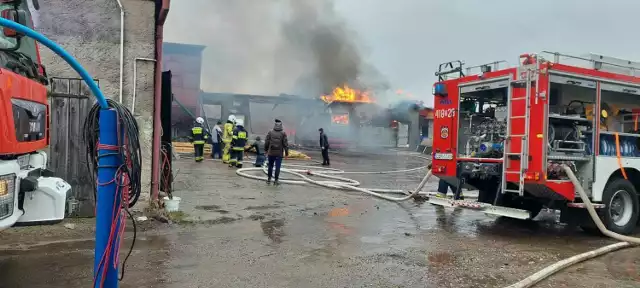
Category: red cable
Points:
column 119, row 219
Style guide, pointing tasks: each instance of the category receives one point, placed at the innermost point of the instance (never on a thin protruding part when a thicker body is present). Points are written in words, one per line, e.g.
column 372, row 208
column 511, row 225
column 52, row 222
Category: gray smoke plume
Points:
column 270, row 47
column 322, row 39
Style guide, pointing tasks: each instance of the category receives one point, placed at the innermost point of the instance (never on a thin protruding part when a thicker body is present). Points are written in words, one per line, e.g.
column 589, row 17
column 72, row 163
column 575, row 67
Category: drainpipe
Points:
column 121, row 48
column 157, row 128
column 135, row 81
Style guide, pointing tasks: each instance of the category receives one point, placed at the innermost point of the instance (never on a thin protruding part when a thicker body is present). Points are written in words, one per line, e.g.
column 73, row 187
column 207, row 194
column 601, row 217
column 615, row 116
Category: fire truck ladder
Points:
column 528, row 72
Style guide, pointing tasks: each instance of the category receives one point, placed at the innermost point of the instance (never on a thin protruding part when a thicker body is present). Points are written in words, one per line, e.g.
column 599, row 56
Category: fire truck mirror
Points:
column 18, row 16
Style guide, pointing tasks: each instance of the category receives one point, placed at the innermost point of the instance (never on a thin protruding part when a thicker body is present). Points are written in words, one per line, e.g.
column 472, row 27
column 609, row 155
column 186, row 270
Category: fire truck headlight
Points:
column 7, row 185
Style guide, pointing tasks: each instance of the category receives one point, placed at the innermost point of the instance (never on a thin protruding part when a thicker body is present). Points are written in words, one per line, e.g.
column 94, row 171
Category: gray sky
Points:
column 404, row 39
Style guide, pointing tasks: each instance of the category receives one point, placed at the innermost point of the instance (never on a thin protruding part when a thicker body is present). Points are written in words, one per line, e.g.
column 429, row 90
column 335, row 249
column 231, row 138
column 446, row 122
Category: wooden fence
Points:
column 71, row 100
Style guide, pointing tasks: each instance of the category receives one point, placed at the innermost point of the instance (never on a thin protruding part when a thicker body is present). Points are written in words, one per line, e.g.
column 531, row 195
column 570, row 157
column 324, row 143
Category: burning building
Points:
column 350, row 117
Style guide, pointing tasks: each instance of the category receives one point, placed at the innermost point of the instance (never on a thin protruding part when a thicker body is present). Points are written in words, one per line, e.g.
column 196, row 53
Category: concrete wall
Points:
column 90, row 31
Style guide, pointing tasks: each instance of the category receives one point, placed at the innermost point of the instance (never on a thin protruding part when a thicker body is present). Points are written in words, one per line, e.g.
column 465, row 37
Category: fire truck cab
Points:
column 29, row 192
column 508, row 132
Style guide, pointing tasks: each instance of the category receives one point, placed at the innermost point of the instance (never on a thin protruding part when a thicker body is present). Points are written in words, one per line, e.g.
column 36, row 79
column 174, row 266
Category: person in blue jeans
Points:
column 275, row 144
column 259, row 152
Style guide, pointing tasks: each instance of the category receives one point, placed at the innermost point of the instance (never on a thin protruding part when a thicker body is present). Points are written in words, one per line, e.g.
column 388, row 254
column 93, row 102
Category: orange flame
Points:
column 340, row 119
column 347, row 94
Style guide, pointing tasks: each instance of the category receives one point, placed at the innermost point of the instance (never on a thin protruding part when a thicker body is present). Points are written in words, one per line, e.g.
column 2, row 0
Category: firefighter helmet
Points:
column 239, row 122
column 199, row 120
column 232, row 118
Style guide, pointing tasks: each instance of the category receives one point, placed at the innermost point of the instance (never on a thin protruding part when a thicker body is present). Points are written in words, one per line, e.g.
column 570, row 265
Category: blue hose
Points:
column 62, row 53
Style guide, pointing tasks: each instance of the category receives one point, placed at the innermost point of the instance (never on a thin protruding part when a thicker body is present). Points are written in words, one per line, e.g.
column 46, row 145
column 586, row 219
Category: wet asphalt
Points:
column 238, row 232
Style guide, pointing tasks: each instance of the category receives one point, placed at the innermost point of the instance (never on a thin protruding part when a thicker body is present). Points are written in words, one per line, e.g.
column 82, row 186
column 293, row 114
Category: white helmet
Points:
column 239, row 122
column 199, row 120
column 232, row 118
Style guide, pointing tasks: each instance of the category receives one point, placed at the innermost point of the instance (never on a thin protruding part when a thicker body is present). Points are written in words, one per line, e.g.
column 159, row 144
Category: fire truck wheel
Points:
column 622, row 210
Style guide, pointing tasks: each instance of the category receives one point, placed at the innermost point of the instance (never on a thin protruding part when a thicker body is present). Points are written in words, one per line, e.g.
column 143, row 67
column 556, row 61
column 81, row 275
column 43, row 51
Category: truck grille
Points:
column 30, row 120
column 7, row 194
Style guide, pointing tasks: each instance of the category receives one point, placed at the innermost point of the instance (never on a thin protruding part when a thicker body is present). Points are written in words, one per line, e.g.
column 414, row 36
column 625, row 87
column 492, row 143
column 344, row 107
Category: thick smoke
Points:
column 268, row 47
column 332, row 52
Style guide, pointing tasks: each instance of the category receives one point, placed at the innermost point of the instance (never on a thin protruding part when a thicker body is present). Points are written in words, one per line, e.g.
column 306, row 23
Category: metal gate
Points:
column 70, row 103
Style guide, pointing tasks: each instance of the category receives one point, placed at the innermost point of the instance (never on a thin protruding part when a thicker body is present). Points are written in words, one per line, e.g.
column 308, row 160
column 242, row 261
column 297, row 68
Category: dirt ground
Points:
column 237, row 232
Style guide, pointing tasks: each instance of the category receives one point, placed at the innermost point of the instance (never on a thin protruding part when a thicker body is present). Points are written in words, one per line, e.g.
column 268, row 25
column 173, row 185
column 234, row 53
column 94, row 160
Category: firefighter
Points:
column 227, row 135
column 239, row 140
column 199, row 136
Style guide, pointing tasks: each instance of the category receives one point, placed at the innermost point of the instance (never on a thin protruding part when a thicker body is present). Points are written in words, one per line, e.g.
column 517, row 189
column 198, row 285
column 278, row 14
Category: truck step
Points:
column 584, row 206
column 512, row 191
column 483, row 207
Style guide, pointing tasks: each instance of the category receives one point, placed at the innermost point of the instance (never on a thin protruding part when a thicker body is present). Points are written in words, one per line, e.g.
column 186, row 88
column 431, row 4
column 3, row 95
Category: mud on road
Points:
column 238, row 232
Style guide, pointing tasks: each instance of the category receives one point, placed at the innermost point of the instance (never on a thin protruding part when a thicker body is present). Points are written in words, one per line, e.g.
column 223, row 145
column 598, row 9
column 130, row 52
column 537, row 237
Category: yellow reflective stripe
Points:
column 235, row 137
column 198, row 142
column 197, row 130
column 242, row 135
column 238, row 149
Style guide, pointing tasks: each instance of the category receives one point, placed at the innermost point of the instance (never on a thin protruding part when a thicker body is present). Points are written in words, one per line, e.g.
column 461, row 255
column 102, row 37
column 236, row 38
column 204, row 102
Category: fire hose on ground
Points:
column 627, row 242
column 337, row 182
column 346, row 184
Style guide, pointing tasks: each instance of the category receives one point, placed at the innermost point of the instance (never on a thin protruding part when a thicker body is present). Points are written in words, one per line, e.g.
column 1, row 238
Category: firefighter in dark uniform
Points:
column 239, row 140
column 199, row 136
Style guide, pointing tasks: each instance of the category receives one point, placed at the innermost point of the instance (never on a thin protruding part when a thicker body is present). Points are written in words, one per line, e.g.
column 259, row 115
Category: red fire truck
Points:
column 508, row 132
column 29, row 194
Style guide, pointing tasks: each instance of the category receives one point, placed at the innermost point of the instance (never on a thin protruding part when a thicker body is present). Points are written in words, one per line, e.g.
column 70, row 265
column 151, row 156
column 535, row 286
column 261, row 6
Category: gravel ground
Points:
column 238, row 232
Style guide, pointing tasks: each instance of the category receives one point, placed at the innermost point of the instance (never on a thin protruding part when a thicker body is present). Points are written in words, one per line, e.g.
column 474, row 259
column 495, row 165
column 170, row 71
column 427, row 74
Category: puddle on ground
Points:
column 45, row 260
column 212, row 208
column 262, row 207
column 273, row 229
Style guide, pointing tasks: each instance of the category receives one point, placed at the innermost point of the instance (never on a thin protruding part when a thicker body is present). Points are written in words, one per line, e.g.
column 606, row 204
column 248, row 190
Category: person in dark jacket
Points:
column 238, row 141
column 275, row 144
column 324, row 145
column 259, row 152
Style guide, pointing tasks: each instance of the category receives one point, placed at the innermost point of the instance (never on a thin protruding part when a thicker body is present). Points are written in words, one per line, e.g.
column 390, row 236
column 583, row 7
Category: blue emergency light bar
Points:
column 439, row 89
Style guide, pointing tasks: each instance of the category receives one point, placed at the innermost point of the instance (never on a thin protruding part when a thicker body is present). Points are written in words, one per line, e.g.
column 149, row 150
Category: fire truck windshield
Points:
column 27, row 45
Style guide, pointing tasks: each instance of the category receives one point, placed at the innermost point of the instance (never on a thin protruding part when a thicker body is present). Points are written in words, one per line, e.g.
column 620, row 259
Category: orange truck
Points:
column 29, row 194
column 507, row 132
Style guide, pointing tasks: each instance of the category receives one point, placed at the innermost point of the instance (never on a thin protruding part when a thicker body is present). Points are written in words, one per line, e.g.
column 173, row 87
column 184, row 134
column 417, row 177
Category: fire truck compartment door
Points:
column 620, row 88
column 484, row 85
column 567, row 80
